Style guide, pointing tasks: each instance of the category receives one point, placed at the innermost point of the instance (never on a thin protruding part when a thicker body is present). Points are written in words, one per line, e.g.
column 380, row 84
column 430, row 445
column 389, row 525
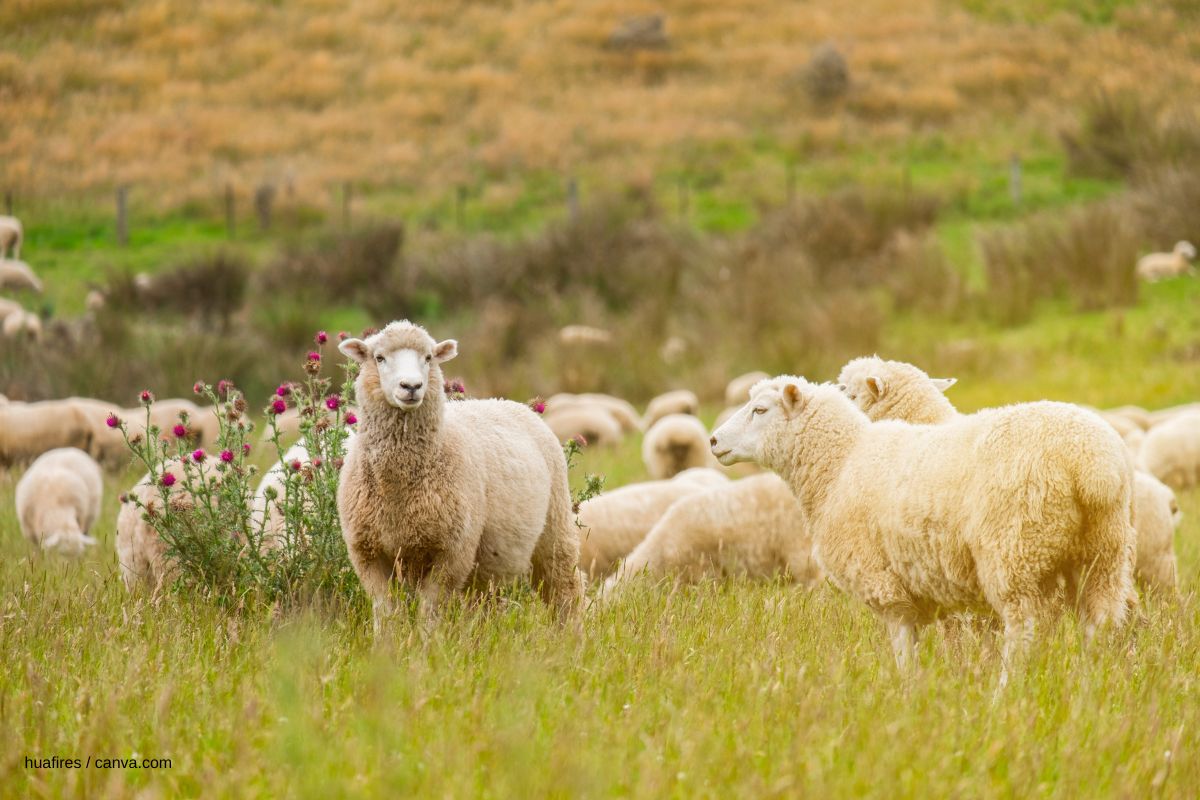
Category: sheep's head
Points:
column 61, row 535
column 678, row 441
column 1185, row 249
column 400, row 363
column 868, row 381
column 772, row 404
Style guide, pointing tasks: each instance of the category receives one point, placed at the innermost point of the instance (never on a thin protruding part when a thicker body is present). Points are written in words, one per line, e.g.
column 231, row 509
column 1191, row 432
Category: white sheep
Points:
column 23, row 323
column 621, row 410
column 987, row 510
column 1156, row 266
column 1135, row 414
column 11, row 237
column 438, row 495
column 594, row 423
column 1171, row 451
column 29, row 429
column 906, row 393
column 752, row 528
column 9, row 307
column 1156, row 418
column 18, row 275
column 108, row 444
column 583, row 335
column 681, row 401
column 737, row 392
column 675, row 443
column 58, row 500
column 613, row 523
column 265, row 513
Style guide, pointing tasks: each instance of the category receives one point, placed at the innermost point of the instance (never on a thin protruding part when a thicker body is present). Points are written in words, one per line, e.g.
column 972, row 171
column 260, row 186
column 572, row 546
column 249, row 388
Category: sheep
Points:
column 108, row 444
column 1156, row 517
column 675, row 443
column 11, row 237
column 752, row 527
column 737, row 392
column 58, row 501
column 439, row 494
column 1135, row 414
column 9, row 307
column 594, row 424
column 613, row 523
column 1156, row 418
column 23, row 323
column 621, row 410
column 908, row 394
column 1156, row 266
column 141, row 552
column 1171, row 451
column 582, row 335
column 986, row 510
column 266, row 514
column 18, row 275
column 677, row 402
column 29, row 429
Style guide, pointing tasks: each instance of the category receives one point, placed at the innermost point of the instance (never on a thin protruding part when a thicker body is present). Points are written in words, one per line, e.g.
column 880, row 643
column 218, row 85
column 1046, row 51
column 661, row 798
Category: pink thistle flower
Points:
column 314, row 356
column 333, row 402
column 198, row 456
column 227, row 456
column 198, row 387
column 581, row 440
column 296, row 465
column 146, row 397
column 317, row 462
column 539, row 406
column 112, row 421
column 278, row 407
column 246, row 448
column 343, row 336
column 283, row 390
column 351, row 419
column 223, row 387
column 168, row 479
column 322, row 337
column 180, row 431
column 124, row 498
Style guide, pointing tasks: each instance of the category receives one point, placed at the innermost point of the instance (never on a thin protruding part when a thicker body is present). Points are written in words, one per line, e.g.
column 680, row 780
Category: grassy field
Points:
column 725, row 688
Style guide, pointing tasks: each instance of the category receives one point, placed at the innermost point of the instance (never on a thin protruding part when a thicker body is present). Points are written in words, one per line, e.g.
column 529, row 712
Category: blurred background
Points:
column 714, row 187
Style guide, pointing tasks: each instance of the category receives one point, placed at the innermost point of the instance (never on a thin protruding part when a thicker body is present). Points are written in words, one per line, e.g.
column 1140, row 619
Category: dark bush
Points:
column 826, row 77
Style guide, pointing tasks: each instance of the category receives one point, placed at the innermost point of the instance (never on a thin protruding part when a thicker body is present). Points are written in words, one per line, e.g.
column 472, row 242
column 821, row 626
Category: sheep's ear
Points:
column 444, row 351
column 942, row 384
column 792, row 399
column 356, row 349
column 876, row 386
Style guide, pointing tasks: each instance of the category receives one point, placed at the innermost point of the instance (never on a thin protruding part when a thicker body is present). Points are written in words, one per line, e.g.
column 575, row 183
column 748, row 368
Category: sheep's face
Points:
column 1186, row 250
column 866, row 381
column 742, row 436
column 68, row 543
column 403, row 368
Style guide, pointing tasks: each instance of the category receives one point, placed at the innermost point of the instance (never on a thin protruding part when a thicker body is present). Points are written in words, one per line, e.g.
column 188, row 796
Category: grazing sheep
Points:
column 576, row 335
column 752, row 527
column 1135, row 414
column 58, row 500
column 1162, row 415
column 1156, row 266
column 265, row 512
column 677, row 402
column 18, row 275
column 1156, row 516
column 1171, row 451
column 108, row 445
column 987, row 510
column 593, row 423
column 23, row 323
column 909, row 391
column 621, row 410
column 675, row 443
column 95, row 300
column 439, row 495
column 614, row 522
column 11, row 237
column 29, row 429
column 737, row 392
column 9, row 307
column 141, row 552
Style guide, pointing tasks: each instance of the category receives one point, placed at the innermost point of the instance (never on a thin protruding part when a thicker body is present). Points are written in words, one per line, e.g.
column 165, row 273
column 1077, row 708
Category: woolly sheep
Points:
column 108, row 445
column 1171, row 451
column 1162, row 415
column 1135, row 414
column 737, row 392
column 141, row 552
column 8, row 307
column 22, row 323
column 1156, row 266
column 593, row 423
column 909, row 391
column 573, row 335
column 985, row 510
column 18, row 275
column 266, row 512
column 621, row 410
column 29, row 429
column 677, row 402
column 11, row 237
column 440, row 494
column 675, row 443
column 58, row 500
column 1156, row 516
column 752, row 527
column 613, row 523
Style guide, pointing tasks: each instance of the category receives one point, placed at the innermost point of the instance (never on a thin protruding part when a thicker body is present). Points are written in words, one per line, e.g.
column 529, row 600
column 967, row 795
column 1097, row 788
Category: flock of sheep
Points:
column 15, row 320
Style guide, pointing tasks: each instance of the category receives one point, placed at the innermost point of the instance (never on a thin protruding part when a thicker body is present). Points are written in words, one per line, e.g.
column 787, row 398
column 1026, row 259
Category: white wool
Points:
column 681, row 401
column 58, row 500
column 675, row 443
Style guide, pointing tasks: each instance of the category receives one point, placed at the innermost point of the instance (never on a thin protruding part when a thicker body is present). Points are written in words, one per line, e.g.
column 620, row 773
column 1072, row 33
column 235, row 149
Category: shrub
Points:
column 827, row 75
column 209, row 288
column 1121, row 135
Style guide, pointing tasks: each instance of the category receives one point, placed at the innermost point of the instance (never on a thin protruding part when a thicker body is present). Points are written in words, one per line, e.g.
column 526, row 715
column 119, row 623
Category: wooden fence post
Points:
column 572, row 198
column 347, row 200
column 230, row 212
column 123, row 215
column 1014, row 179
column 264, row 196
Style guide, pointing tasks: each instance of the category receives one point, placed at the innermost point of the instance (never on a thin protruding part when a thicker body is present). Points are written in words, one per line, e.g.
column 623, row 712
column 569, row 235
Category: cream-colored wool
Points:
column 29, row 429
column 681, row 401
column 1157, row 266
column 108, row 444
column 675, row 443
column 1171, row 451
column 265, row 513
column 9, row 307
column 737, row 392
column 11, row 237
column 583, row 335
column 912, row 391
column 752, row 528
column 593, row 423
column 986, row 510
column 58, row 500
column 18, row 275
column 441, row 495
column 613, row 523
column 621, row 410
column 1162, row 415
column 1135, row 414
column 22, row 324
column 141, row 552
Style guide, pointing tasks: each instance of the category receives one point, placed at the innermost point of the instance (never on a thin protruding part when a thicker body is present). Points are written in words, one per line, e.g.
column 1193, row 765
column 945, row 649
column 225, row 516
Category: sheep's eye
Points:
column 379, row 359
column 758, row 410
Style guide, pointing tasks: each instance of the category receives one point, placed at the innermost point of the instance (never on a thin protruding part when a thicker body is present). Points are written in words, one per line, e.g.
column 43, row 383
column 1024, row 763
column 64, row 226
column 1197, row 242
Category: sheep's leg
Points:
column 376, row 576
column 903, row 633
column 555, row 568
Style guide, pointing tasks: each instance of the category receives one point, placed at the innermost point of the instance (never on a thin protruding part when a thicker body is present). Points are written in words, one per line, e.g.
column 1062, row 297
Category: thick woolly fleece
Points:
column 675, row 443
column 58, row 500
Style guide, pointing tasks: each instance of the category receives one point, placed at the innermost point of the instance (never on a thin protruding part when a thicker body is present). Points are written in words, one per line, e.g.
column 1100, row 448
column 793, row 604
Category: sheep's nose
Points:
column 411, row 387
column 712, row 441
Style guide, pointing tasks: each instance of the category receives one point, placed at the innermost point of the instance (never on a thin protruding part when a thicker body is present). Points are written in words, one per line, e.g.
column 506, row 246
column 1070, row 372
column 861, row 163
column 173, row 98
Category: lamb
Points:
column 906, row 393
column 675, row 443
column 11, row 237
column 439, row 495
column 677, row 402
column 141, row 552
column 58, row 501
column 613, row 523
column 752, row 527
column 1156, row 266
column 29, row 429
column 1171, row 451
column 18, row 275
column 23, row 323
column 987, row 510
column 593, row 423
column 737, row 392
column 621, row 410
